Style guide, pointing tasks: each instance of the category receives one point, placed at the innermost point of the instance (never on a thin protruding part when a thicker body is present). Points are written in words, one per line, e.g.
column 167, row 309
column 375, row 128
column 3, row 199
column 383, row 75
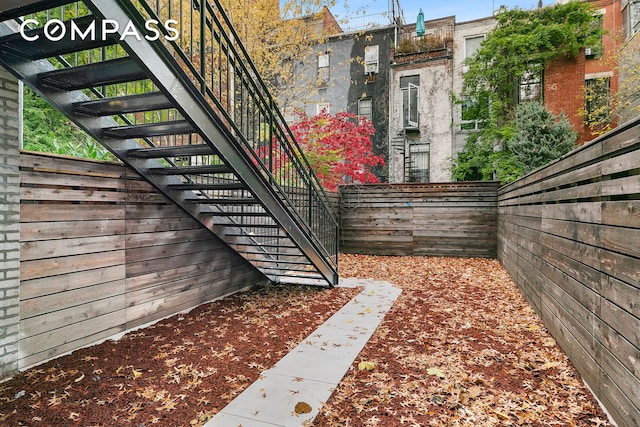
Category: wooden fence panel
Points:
column 103, row 252
column 452, row 219
column 569, row 236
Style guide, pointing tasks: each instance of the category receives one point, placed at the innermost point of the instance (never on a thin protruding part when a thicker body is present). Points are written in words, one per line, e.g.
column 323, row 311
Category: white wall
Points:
column 434, row 98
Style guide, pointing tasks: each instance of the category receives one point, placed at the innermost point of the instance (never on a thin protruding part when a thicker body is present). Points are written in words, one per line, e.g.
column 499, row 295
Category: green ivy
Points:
column 522, row 42
column 48, row 130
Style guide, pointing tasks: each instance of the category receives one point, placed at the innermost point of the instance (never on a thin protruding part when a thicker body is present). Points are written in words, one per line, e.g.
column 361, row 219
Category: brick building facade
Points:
column 9, row 223
column 565, row 79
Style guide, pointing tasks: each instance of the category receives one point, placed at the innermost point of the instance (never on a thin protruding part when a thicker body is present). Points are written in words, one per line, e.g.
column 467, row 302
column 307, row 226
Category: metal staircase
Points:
column 183, row 105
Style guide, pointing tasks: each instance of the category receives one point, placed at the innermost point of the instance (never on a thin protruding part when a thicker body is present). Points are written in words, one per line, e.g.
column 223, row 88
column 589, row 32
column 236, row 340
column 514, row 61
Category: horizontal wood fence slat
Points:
column 569, row 236
column 103, row 252
column 447, row 219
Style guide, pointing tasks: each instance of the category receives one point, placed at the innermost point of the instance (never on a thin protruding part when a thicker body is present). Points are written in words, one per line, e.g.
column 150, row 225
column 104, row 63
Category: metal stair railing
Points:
column 212, row 56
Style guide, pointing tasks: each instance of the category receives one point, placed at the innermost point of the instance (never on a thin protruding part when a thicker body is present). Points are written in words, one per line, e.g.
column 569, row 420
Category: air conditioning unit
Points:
column 588, row 51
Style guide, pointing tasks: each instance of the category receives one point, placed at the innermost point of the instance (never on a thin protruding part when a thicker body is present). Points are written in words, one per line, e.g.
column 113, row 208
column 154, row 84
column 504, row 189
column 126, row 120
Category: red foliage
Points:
column 338, row 147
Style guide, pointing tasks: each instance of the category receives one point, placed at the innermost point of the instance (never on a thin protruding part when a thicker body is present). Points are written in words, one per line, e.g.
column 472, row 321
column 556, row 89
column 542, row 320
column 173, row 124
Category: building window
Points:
column 365, row 108
column 322, row 107
column 409, row 87
column 631, row 18
column 597, row 101
column 419, row 170
column 371, row 59
column 530, row 87
column 473, row 113
column 596, row 51
column 323, row 68
column 472, row 44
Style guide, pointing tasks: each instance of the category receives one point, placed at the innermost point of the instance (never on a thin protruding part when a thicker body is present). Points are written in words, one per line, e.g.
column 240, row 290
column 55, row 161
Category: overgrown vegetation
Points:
column 48, row 130
column 531, row 140
column 505, row 72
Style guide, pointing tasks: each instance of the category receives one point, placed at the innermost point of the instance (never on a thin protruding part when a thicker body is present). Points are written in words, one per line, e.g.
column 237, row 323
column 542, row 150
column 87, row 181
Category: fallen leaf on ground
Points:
column 368, row 366
column 436, row 372
column 302, row 408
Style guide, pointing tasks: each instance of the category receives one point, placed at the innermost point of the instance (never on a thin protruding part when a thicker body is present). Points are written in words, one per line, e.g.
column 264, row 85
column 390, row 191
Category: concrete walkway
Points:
column 312, row 370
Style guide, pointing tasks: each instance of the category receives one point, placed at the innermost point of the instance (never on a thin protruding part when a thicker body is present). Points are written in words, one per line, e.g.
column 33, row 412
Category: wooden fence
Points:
column 449, row 219
column 569, row 236
column 103, row 252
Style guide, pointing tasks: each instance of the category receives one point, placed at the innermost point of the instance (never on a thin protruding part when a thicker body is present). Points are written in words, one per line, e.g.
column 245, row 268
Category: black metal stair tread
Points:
column 231, row 224
column 290, row 271
column 178, row 127
column 288, row 262
column 43, row 47
column 192, row 170
column 256, row 236
column 123, row 104
column 261, row 245
column 225, row 202
column 274, row 254
column 101, row 73
column 15, row 11
column 172, row 151
column 196, row 186
column 234, row 214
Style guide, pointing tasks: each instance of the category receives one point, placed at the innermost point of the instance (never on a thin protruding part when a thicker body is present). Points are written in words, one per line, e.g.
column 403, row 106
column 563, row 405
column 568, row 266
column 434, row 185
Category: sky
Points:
column 464, row 10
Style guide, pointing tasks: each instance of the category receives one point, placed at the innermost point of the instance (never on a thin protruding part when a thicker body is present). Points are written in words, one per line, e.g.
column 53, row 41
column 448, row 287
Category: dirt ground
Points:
column 460, row 347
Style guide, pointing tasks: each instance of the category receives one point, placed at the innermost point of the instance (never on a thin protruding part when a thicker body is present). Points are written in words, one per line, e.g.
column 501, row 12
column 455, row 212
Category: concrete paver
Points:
column 312, row 370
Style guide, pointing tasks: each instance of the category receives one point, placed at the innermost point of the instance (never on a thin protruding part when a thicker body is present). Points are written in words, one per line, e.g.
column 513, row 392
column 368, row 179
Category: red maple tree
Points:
column 338, row 147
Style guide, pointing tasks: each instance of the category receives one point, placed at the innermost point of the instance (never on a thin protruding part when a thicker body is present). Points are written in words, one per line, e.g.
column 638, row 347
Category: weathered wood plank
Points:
column 32, row 212
column 436, row 219
column 162, row 238
column 67, row 195
column 626, row 186
column 72, row 298
column 43, row 286
column 53, row 267
column 70, row 179
column 622, row 213
column 47, row 249
column 624, row 295
column 37, row 348
column 73, row 317
column 38, row 231
column 154, row 225
column 95, row 237
column 31, row 160
column 568, row 236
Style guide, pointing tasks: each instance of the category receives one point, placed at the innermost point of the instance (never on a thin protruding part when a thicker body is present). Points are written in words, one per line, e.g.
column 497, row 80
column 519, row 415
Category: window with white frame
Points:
column 472, row 44
column 371, row 59
column 409, row 88
column 473, row 112
column 323, row 68
column 631, row 18
column 419, row 170
column 365, row 108
column 322, row 107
